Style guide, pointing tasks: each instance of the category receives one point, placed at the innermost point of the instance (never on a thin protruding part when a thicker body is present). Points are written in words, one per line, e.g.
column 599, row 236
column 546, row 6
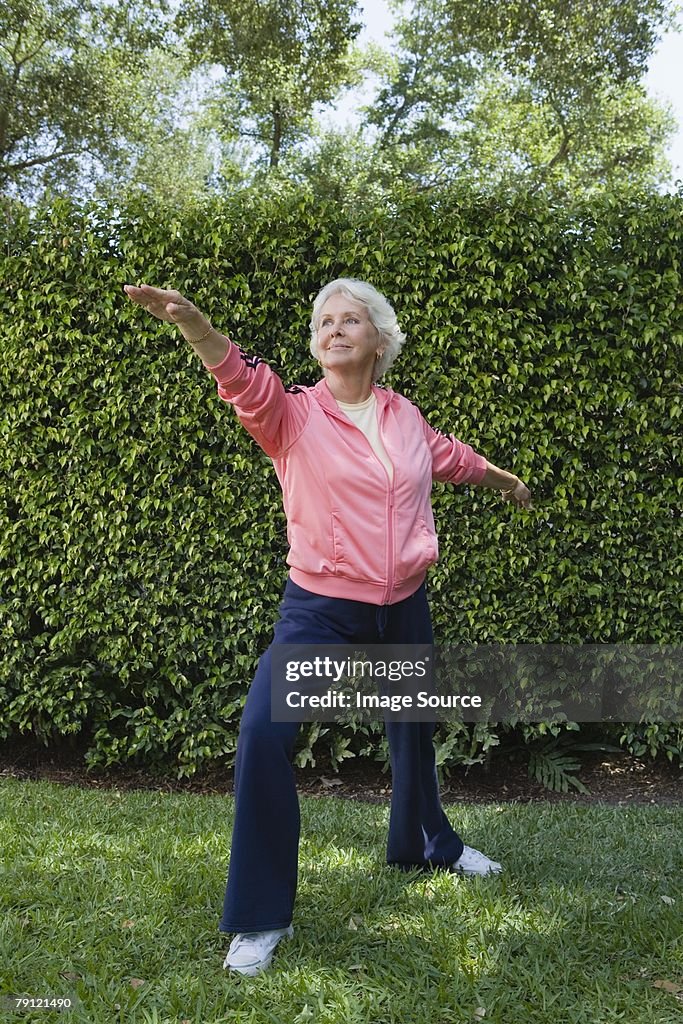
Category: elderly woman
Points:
column 356, row 464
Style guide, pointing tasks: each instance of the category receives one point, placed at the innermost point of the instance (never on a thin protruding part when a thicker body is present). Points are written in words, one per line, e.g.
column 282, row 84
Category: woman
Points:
column 356, row 464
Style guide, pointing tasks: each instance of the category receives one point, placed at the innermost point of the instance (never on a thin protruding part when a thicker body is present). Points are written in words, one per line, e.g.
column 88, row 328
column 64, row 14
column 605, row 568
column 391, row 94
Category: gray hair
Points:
column 380, row 313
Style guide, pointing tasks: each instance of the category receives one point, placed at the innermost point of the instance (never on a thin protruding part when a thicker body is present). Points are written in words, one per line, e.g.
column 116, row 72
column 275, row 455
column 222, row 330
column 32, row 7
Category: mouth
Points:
column 342, row 347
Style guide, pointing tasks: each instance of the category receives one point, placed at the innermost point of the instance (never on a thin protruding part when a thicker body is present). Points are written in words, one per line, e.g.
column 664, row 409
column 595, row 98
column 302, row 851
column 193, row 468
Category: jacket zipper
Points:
column 390, row 546
column 390, row 559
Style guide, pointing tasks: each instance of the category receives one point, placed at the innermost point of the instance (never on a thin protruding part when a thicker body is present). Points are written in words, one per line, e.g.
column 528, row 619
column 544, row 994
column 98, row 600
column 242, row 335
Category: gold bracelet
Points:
column 199, row 340
column 510, row 490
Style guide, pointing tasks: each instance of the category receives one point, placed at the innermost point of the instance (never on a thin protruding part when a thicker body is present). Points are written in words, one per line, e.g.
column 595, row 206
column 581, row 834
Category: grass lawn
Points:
column 115, row 898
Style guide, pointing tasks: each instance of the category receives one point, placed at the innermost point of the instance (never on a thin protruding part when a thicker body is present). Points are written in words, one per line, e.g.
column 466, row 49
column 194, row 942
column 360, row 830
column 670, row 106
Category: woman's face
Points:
column 348, row 341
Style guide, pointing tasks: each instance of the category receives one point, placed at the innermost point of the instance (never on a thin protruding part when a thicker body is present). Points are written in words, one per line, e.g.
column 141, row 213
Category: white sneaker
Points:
column 472, row 862
column 251, row 952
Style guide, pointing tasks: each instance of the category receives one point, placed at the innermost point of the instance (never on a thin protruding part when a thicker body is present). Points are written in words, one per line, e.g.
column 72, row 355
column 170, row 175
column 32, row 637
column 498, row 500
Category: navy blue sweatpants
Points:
column 263, row 862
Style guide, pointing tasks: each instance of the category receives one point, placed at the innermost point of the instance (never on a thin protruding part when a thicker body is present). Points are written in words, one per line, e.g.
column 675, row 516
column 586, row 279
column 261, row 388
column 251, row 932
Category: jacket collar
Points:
column 326, row 399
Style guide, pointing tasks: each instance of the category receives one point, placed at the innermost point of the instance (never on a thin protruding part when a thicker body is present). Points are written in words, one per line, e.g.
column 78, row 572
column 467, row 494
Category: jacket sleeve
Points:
column 453, row 461
column 261, row 402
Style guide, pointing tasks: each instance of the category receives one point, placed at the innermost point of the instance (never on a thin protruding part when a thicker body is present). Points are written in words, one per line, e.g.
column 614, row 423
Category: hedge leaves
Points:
column 143, row 539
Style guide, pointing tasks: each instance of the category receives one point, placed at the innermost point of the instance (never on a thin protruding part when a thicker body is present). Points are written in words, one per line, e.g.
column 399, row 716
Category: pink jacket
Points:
column 352, row 534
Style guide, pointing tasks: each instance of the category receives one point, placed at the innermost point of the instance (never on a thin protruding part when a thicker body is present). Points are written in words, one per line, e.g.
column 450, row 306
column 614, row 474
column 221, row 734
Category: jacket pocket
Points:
column 359, row 550
column 416, row 549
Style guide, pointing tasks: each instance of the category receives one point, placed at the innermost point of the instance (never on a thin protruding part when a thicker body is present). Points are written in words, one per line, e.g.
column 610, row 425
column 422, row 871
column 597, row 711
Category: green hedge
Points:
column 142, row 536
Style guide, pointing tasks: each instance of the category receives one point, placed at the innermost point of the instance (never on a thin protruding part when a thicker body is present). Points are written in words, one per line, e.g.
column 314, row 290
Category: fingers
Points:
column 519, row 495
column 145, row 293
column 523, row 500
column 136, row 294
column 165, row 304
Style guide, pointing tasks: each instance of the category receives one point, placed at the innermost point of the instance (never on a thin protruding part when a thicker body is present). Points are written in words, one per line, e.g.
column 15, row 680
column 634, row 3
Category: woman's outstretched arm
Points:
column 172, row 307
column 513, row 488
column 246, row 382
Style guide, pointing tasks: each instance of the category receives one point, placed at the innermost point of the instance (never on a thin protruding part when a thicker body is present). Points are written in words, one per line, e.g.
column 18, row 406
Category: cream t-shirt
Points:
column 364, row 415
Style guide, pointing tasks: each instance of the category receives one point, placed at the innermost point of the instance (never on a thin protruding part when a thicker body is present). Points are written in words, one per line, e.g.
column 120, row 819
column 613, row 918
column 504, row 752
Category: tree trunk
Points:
column 276, row 143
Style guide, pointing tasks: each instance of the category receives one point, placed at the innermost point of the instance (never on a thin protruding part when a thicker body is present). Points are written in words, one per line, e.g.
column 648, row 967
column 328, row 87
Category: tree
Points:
column 279, row 58
column 175, row 158
column 66, row 68
column 533, row 91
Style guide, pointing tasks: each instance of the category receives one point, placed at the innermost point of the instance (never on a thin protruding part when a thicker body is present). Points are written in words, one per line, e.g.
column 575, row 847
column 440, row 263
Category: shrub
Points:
column 143, row 539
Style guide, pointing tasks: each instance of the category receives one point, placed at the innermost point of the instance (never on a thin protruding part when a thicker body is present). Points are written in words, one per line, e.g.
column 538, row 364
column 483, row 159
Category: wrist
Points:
column 202, row 337
column 195, row 328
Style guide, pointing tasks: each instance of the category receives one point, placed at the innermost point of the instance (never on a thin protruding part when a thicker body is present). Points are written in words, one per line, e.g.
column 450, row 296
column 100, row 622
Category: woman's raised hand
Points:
column 170, row 306
column 519, row 494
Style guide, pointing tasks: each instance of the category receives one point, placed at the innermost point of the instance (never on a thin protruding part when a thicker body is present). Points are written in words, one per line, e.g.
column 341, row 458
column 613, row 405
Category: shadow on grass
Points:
column 100, row 889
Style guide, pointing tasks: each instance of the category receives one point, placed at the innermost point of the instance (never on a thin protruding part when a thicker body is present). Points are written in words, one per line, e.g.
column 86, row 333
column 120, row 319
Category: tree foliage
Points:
column 174, row 159
column 541, row 92
column 279, row 60
column 99, row 98
column 66, row 68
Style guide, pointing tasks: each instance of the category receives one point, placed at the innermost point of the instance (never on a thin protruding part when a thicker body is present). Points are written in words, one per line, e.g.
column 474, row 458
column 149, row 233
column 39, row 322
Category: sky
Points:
column 664, row 79
column 665, row 82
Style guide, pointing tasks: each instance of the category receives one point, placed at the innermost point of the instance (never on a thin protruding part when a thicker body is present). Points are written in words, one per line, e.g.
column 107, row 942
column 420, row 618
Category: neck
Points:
column 351, row 390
